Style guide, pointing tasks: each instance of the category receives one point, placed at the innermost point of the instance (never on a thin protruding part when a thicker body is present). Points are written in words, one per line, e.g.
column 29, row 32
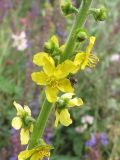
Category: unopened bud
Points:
column 67, row 7
column 81, row 35
column 100, row 14
column 48, row 47
column 28, row 120
column 61, row 104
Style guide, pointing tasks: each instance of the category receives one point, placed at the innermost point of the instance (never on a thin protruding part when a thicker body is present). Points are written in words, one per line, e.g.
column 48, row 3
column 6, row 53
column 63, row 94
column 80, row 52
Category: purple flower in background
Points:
column 103, row 139
column 97, row 139
column 13, row 158
column 92, row 141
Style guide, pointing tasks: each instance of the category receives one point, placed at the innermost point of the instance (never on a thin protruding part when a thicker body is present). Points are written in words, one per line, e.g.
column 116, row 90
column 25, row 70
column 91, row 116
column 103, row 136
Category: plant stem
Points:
column 46, row 108
column 40, row 124
column 78, row 23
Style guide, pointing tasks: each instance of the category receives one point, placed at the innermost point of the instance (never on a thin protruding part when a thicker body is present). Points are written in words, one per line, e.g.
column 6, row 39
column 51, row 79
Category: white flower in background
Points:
column 20, row 41
column 115, row 57
column 81, row 129
column 87, row 119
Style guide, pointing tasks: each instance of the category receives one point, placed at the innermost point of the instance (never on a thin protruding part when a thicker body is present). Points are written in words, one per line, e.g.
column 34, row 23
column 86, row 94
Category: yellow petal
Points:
column 36, row 156
column 57, row 118
column 25, row 154
column 79, row 58
column 17, row 123
column 64, row 69
column 24, row 136
column 75, row 102
column 67, row 95
column 65, row 85
column 19, row 108
column 49, row 66
column 38, row 58
column 27, row 109
column 39, row 77
column 55, row 40
column 51, row 94
column 90, row 46
column 65, row 117
column 84, row 64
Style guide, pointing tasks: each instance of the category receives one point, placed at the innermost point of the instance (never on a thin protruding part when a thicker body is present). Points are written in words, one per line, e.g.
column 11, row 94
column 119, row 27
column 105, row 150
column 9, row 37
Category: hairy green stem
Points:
column 79, row 21
column 40, row 124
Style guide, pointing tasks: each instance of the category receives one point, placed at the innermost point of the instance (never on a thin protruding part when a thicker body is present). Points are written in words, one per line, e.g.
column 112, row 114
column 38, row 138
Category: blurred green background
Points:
column 99, row 88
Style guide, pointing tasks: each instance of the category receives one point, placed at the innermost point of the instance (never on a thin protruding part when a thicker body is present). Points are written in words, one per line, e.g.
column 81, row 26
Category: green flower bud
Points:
column 48, row 47
column 100, row 14
column 27, row 121
column 81, row 35
column 52, row 46
column 61, row 104
column 67, row 7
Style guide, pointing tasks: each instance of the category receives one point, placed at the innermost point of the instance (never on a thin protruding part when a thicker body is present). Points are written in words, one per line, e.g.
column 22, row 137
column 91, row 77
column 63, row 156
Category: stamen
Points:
column 52, row 82
column 92, row 61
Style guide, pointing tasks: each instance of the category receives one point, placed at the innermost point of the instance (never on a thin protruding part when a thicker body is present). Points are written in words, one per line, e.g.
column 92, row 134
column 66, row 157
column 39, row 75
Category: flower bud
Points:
column 100, row 14
column 67, row 7
column 52, row 46
column 61, row 103
column 28, row 120
column 81, row 35
column 48, row 47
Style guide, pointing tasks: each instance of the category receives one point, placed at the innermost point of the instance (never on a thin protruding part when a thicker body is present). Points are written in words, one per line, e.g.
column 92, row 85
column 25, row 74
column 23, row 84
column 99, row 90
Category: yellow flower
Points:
column 19, row 122
column 37, row 153
column 62, row 113
column 86, row 59
column 53, row 77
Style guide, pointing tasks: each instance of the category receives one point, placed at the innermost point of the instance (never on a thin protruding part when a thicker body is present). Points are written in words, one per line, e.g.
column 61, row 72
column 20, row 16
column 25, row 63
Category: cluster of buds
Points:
column 52, row 47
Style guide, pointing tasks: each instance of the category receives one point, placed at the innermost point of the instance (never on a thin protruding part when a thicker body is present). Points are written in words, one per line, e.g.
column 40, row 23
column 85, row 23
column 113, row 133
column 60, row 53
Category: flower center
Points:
column 52, row 82
column 43, row 153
